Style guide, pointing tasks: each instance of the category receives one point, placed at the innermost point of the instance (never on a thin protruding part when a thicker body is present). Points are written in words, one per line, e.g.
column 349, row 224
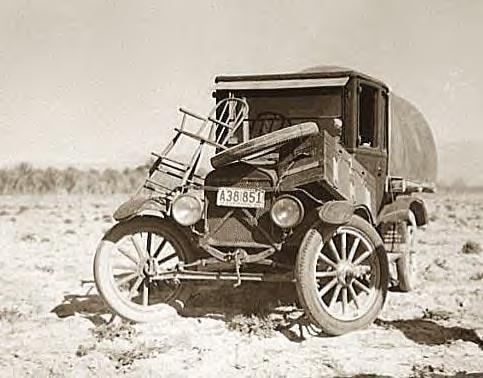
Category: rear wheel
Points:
column 129, row 256
column 405, row 264
column 342, row 276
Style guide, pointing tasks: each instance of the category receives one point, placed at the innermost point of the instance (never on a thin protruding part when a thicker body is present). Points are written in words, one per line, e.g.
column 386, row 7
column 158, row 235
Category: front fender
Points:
column 141, row 206
column 336, row 212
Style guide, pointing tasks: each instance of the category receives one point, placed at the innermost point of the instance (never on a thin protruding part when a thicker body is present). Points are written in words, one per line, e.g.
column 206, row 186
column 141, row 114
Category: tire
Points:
column 405, row 264
column 264, row 142
column 327, row 287
column 109, row 260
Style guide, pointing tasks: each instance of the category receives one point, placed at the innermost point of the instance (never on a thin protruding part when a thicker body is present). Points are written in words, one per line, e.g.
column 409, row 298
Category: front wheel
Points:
column 127, row 259
column 342, row 276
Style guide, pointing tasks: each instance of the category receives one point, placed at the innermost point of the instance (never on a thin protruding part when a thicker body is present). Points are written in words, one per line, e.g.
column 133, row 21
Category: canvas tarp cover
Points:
column 412, row 153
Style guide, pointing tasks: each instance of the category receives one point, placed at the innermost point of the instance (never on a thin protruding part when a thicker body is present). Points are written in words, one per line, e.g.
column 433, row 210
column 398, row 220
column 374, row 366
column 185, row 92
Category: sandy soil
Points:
column 52, row 322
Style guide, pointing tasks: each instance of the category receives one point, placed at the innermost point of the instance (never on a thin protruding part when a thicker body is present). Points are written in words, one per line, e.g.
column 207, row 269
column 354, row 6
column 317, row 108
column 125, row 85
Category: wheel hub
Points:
column 345, row 273
column 150, row 267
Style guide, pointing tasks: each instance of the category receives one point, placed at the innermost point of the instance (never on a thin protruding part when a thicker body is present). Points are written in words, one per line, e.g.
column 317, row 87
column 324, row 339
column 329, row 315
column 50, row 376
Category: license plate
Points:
column 241, row 197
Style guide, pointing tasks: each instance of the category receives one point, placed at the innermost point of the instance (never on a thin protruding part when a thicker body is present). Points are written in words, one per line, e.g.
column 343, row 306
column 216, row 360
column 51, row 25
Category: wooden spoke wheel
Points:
column 129, row 257
column 342, row 278
column 406, row 264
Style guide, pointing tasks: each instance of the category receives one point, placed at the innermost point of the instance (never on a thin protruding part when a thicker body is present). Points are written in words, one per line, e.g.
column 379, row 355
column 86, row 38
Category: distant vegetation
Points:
column 458, row 185
column 25, row 179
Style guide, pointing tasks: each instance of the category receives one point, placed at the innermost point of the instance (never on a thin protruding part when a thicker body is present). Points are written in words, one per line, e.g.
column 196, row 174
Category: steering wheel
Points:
column 266, row 122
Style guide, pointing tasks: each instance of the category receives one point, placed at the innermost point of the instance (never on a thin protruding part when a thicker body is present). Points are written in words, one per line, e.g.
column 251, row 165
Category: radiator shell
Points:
column 236, row 230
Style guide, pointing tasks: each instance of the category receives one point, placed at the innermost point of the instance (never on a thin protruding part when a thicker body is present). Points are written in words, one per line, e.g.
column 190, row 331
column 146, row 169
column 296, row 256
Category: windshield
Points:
column 272, row 110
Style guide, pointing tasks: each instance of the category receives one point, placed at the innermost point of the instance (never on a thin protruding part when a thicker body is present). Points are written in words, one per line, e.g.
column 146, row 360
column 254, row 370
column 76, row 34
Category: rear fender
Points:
column 135, row 206
column 364, row 212
column 401, row 209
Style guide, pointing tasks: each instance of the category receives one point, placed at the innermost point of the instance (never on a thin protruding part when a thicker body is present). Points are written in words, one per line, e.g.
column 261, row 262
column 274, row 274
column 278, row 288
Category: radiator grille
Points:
column 237, row 227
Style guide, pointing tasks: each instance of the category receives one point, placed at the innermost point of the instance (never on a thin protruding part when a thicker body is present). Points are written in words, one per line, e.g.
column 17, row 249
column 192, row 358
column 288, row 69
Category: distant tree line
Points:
column 25, row 179
column 458, row 185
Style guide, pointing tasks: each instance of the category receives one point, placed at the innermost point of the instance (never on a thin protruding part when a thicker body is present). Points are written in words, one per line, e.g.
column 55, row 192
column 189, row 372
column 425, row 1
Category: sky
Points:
column 98, row 83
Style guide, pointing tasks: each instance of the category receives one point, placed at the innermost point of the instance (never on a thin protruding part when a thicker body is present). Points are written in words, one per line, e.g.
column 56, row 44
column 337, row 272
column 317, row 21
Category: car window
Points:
column 367, row 120
column 274, row 111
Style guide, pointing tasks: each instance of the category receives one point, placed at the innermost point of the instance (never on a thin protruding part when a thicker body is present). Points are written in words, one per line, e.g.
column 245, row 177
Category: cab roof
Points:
column 311, row 77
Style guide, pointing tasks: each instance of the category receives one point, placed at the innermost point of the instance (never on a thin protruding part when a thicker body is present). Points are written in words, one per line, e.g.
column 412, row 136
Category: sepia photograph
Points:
column 228, row 188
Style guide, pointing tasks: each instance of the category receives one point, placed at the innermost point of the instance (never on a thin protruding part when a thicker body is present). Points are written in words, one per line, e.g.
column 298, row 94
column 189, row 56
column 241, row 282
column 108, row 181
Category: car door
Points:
column 371, row 132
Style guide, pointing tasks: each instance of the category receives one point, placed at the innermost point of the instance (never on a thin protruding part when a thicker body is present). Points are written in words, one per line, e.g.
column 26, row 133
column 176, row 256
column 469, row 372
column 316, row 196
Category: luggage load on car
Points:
column 412, row 148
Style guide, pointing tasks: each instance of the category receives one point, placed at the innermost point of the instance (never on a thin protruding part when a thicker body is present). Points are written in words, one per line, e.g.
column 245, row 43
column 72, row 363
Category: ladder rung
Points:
column 174, row 174
column 185, row 166
column 196, row 180
column 198, row 137
column 149, row 181
column 160, row 195
column 166, row 164
column 221, row 123
column 168, row 159
column 190, row 113
column 150, row 186
column 200, row 179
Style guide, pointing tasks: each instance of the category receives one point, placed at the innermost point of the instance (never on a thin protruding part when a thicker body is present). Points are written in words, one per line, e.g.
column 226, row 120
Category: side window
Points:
column 384, row 112
column 367, row 135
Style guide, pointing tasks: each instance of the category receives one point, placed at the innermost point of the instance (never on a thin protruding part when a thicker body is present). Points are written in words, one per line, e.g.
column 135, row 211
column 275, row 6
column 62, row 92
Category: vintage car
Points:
column 311, row 178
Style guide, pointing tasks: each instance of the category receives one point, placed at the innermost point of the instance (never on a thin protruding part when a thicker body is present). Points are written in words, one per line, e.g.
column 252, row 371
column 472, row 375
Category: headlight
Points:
column 186, row 209
column 287, row 211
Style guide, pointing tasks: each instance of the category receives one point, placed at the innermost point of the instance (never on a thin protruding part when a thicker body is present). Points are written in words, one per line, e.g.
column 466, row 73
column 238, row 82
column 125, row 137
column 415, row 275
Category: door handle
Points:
column 379, row 170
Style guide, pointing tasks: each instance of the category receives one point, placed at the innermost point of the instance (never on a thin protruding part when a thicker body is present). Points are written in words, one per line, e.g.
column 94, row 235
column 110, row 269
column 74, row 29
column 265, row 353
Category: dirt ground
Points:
column 52, row 322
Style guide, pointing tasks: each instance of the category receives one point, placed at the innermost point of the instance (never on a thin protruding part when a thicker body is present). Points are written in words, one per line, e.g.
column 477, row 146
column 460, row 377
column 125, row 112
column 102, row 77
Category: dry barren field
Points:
column 52, row 322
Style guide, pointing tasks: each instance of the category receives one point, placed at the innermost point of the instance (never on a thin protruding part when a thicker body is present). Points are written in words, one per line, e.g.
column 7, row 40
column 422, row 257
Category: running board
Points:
column 223, row 276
